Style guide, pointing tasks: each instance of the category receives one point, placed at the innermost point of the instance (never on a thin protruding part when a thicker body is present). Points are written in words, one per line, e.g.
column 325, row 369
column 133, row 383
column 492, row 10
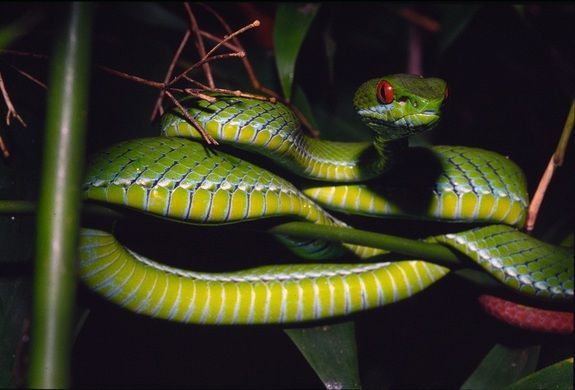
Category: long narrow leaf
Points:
column 291, row 25
column 59, row 204
column 556, row 376
column 502, row 366
column 331, row 351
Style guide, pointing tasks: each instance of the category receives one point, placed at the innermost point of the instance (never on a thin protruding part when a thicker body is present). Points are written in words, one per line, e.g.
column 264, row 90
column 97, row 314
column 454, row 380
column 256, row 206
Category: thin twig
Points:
column 158, row 108
column 24, row 54
column 199, row 44
column 137, row 79
column 4, row 148
column 245, row 61
column 420, row 20
column 555, row 161
column 253, row 78
column 11, row 113
column 27, row 75
column 218, row 45
column 208, row 138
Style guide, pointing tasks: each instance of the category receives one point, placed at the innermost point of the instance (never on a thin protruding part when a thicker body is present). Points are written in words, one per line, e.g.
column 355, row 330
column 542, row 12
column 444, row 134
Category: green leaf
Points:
column 453, row 22
column 291, row 25
column 502, row 366
column 331, row 350
column 301, row 101
column 556, row 376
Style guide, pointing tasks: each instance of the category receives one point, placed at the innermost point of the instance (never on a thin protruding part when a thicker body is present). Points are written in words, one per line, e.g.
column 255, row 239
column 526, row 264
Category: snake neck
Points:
column 389, row 153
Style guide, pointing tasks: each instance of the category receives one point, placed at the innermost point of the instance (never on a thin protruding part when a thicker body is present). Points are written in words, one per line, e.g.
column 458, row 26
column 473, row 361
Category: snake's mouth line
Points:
column 415, row 121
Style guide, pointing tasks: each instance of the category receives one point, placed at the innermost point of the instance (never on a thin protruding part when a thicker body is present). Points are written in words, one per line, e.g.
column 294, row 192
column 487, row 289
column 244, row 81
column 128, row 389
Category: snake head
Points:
column 400, row 105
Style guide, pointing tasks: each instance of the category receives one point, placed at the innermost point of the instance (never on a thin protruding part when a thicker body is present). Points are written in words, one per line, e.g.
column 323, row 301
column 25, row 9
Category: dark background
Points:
column 511, row 77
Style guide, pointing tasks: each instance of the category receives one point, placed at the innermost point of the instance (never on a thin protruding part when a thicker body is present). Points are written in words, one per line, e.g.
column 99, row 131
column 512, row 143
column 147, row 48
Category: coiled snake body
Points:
column 179, row 178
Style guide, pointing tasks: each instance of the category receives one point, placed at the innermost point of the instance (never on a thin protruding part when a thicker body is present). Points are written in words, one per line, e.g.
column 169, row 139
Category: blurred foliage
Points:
column 511, row 75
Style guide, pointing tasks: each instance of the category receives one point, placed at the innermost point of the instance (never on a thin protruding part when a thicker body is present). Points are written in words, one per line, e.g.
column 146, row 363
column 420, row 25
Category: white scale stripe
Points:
column 331, row 297
column 220, row 316
column 330, row 195
column 316, row 300
column 104, row 283
column 343, row 201
column 144, row 302
column 267, row 302
column 406, row 280
column 192, row 304
column 299, row 313
column 346, row 296
column 91, row 259
column 380, row 292
column 393, row 285
column 363, row 293
column 160, row 303
column 133, row 293
column 251, row 310
column 176, row 304
column 236, row 305
column 206, row 308
column 283, row 303
column 120, row 286
column 412, row 264
column 106, row 265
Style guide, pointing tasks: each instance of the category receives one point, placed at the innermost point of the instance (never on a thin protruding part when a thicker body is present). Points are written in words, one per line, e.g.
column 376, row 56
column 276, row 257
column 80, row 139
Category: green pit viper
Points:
column 175, row 176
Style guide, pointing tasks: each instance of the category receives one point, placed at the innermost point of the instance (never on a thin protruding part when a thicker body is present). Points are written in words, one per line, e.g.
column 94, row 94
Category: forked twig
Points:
column 199, row 44
column 209, row 139
column 555, row 161
column 252, row 76
column 11, row 113
column 213, row 49
column 158, row 109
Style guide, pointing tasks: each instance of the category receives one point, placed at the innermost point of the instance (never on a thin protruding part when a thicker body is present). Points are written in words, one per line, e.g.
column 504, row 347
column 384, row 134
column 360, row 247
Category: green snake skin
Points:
column 179, row 179
column 270, row 294
column 472, row 185
column 522, row 262
column 182, row 179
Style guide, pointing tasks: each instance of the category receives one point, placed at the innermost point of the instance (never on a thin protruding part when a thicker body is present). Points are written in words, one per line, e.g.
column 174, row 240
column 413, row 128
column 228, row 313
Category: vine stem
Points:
column 435, row 253
column 59, row 204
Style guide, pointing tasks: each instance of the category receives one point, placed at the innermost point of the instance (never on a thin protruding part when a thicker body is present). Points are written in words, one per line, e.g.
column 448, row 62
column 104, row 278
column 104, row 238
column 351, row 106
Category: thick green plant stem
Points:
column 59, row 204
column 418, row 249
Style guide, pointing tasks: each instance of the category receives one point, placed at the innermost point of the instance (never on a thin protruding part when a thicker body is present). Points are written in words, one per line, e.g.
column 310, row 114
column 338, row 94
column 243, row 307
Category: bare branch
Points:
column 555, row 161
column 199, row 44
column 11, row 111
column 420, row 20
column 4, row 149
column 208, row 138
column 27, row 75
column 246, row 62
column 218, row 45
column 158, row 109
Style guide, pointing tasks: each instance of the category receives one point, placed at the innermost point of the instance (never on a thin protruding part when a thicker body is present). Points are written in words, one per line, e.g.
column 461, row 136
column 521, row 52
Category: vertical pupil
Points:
column 385, row 92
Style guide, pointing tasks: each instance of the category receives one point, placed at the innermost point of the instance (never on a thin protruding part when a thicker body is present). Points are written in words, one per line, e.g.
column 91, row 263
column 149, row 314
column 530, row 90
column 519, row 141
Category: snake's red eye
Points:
column 446, row 93
column 385, row 92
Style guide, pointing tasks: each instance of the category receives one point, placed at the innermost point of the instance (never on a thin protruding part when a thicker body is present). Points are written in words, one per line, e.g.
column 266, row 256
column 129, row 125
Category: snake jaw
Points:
column 411, row 104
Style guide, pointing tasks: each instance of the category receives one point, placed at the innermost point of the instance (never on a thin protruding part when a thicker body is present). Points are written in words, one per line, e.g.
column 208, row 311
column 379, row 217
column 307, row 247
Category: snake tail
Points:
column 264, row 295
column 529, row 318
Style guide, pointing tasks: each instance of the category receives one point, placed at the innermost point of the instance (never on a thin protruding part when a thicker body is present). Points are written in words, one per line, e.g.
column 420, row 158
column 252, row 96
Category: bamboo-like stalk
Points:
column 59, row 204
